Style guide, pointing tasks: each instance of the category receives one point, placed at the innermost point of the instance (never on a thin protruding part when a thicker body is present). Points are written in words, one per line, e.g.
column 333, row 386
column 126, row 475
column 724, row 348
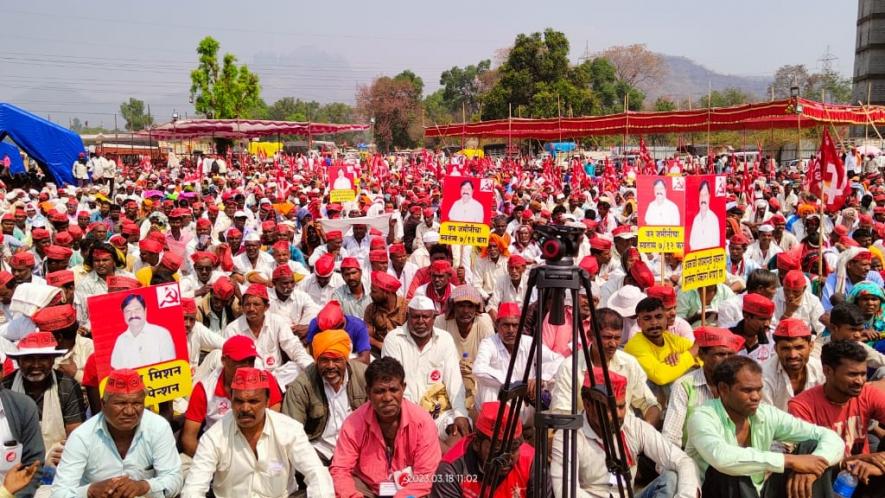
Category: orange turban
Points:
column 331, row 342
column 806, row 209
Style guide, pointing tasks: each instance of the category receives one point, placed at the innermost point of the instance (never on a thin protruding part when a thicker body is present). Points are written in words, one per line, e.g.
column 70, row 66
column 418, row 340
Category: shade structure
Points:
column 244, row 128
column 758, row 116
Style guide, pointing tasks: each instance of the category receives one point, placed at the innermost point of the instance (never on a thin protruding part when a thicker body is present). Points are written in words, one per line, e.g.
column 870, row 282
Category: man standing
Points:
column 792, row 370
column 678, row 474
column 327, row 392
column 122, row 451
column 733, row 459
column 387, row 446
column 253, row 451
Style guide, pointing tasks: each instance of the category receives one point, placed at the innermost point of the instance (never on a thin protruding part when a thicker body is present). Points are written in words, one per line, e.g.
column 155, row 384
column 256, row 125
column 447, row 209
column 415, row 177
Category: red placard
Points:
column 467, row 199
column 704, row 212
column 661, row 200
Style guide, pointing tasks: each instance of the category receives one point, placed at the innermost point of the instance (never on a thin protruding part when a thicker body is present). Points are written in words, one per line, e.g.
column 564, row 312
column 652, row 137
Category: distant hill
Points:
column 686, row 77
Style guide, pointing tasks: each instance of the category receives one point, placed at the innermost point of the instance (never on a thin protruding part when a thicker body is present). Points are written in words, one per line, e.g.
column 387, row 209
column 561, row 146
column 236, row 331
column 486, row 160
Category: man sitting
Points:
column 755, row 327
column 730, row 438
column 92, row 464
column 846, row 404
column 252, row 451
column 792, row 370
column 678, row 477
column 386, row 440
column 327, row 392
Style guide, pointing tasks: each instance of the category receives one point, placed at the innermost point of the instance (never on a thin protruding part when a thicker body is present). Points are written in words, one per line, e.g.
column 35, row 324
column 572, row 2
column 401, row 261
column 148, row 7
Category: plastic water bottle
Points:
column 844, row 485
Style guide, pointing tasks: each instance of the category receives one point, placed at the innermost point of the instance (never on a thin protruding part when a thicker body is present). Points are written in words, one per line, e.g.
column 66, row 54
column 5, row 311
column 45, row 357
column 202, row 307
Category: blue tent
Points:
column 557, row 147
column 16, row 165
column 54, row 147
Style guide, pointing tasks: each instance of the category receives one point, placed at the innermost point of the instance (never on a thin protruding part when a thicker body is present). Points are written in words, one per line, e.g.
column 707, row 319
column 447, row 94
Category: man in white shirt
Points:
column 430, row 359
column 764, row 248
column 793, row 370
column 254, row 451
column 678, row 474
column 510, row 287
column 400, row 268
column 142, row 343
column 321, row 284
column 792, row 300
column 199, row 338
column 290, row 303
column 253, row 259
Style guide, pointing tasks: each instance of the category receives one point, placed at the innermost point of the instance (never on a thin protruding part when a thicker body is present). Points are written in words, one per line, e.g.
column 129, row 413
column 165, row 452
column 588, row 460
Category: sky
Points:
column 66, row 59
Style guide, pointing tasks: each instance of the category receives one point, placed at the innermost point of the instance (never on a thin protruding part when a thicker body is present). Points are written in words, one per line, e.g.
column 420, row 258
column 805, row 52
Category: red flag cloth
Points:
column 827, row 176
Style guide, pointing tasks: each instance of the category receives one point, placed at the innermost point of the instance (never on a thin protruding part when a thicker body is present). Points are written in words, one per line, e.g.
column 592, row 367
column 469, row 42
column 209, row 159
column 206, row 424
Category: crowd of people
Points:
column 342, row 350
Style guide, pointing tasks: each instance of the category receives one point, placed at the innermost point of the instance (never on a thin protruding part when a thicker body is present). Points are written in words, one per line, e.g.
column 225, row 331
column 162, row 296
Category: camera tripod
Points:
column 552, row 280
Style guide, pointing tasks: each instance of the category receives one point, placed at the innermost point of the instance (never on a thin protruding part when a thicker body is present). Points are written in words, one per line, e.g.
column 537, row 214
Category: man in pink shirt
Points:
column 389, row 446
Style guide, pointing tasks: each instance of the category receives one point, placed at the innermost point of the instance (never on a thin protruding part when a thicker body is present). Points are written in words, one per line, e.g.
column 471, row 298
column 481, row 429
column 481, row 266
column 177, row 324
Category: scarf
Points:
column 439, row 301
column 52, row 423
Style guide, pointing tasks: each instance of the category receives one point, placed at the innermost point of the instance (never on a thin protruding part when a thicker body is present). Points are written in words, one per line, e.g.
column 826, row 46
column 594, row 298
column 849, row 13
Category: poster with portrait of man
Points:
column 661, row 206
column 466, row 210
column 341, row 183
column 704, row 262
column 143, row 330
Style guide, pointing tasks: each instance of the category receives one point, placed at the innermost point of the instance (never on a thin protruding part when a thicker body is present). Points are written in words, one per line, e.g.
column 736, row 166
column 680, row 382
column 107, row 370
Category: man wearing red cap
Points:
column 104, row 261
column 675, row 323
column 333, row 246
column 429, row 225
column 21, row 265
column 755, row 328
column 510, row 287
column 199, row 281
column 323, row 395
column 738, row 265
column 387, row 310
column 200, row 340
column 272, row 335
column 493, row 358
column 792, row 370
column 62, row 322
column 793, row 301
column 142, row 343
column 220, row 306
column 210, row 399
column 353, row 295
column 321, row 284
column 845, row 403
column 695, row 388
column 401, row 268
column 290, row 302
column 164, row 272
column 730, row 439
column 678, row 473
column 92, row 464
column 439, row 288
column 460, row 473
column 248, row 438
column 388, row 446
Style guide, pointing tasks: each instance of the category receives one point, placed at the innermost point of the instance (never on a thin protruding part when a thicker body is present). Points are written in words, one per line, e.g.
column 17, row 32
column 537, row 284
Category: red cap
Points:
column 259, row 290
column 590, row 265
column 792, row 327
column 516, row 260
column 325, row 265
column 600, row 244
column 385, row 281
column 865, row 219
column 22, row 258
column 5, row 277
column 58, row 253
column 157, row 236
column 508, row 310
column 281, row 246
column 622, row 230
column 282, row 272
column 118, row 241
column 223, row 288
column 239, row 348
column 712, row 337
column 189, row 306
column 268, row 226
column 331, row 316
column 377, row 243
column 75, row 232
column 795, row 280
column 377, row 256
column 204, row 223
column 37, row 343
column 54, row 318
column 334, row 235
column 197, row 256
column 841, row 230
column 441, row 266
column 350, row 262
column 785, row 262
column 248, row 378
column 758, row 305
column 397, row 249
column 488, row 414
column 64, row 237
column 778, row 219
column 39, row 234
column 739, row 239
column 619, row 383
column 171, row 261
column 150, row 245
column 864, row 255
column 124, row 381
column 665, row 293
column 122, row 283
column 60, row 278
column 643, row 277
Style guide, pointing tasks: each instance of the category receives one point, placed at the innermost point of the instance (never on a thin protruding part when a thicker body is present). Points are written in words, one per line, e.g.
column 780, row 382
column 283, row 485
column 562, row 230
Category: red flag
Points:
column 827, row 176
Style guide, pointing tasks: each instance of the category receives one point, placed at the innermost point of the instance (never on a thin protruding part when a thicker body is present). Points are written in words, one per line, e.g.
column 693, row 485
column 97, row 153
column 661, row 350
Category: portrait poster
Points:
column 341, row 183
column 661, row 206
column 704, row 262
column 466, row 210
column 143, row 329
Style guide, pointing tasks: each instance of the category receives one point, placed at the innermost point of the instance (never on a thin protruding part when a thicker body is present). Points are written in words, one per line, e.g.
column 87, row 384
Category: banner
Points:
column 827, row 176
column 704, row 262
column 466, row 211
column 661, row 206
column 143, row 330
column 341, row 183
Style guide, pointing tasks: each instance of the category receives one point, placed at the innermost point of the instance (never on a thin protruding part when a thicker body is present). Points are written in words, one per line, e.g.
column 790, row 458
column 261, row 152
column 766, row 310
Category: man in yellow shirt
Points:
column 663, row 355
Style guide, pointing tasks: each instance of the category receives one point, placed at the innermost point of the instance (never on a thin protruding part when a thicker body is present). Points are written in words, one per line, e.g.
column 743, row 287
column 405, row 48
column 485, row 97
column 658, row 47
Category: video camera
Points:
column 557, row 241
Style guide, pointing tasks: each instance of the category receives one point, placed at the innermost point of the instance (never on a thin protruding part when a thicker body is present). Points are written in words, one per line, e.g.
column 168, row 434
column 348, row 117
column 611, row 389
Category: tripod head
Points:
column 559, row 243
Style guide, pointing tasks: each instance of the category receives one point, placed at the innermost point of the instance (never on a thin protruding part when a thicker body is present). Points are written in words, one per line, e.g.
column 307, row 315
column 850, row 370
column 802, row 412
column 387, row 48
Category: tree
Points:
column 828, row 83
column 786, row 77
column 413, row 79
column 133, row 112
column 663, row 104
column 394, row 104
column 635, row 65
column 463, row 87
column 726, row 98
column 223, row 90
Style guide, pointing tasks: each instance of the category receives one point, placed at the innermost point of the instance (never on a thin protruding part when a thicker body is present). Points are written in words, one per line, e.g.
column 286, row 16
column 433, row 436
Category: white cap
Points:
column 430, row 237
column 421, row 303
column 625, row 300
column 766, row 228
column 252, row 237
column 240, row 214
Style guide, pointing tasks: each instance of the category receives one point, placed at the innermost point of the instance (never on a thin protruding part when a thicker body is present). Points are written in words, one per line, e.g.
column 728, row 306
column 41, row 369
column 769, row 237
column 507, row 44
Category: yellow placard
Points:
column 661, row 239
column 163, row 381
column 342, row 195
column 465, row 234
column 703, row 268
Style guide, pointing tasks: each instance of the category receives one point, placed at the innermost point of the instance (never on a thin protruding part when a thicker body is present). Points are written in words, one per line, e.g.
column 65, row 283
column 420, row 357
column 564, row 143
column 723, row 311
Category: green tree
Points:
column 463, row 87
column 336, row 112
column 133, row 112
column 725, row 98
column 394, row 104
column 413, row 79
column 663, row 104
column 223, row 90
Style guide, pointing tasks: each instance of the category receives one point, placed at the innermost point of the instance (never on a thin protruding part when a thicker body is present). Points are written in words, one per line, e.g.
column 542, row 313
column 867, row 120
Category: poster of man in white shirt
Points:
column 706, row 212
column 142, row 343
column 661, row 199
column 463, row 202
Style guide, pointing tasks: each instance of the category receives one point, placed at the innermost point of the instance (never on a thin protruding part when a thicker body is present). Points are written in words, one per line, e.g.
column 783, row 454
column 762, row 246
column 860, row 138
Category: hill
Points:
column 686, row 77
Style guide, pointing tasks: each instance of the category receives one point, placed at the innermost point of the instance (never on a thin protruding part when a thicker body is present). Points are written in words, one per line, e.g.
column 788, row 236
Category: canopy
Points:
column 10, row 151
column 244, row 128
column 758, row 116
column 54, row 147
